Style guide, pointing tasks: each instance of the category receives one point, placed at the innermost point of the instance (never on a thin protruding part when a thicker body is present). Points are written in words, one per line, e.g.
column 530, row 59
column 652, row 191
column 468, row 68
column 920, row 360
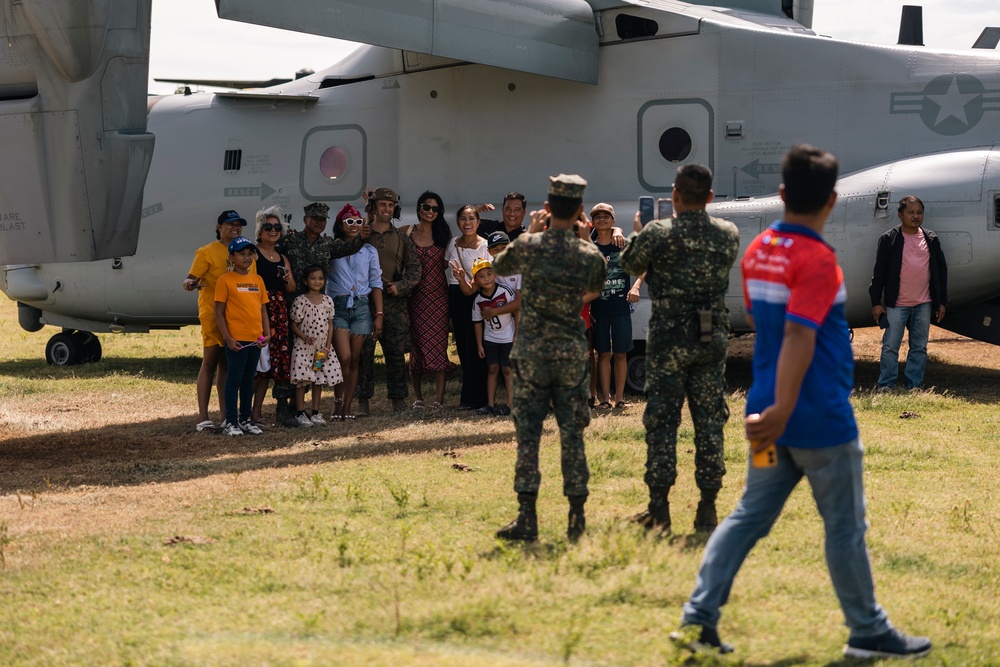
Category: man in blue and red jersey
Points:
column 803, row 369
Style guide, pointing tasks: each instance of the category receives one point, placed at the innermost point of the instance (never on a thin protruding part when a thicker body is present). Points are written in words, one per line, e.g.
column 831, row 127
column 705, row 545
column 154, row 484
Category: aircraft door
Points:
column 672, row 133
column 334, row 163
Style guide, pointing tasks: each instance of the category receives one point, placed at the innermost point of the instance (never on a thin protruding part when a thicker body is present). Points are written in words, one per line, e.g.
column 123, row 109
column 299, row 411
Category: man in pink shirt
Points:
column 909, row 285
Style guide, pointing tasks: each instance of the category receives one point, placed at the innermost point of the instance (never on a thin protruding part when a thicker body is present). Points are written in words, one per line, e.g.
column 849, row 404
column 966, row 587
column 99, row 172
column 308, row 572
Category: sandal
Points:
column 604, row 405
column 348, row 417
column 621, row 405
column 418, row 405
column 436, row 405
column 591, row 402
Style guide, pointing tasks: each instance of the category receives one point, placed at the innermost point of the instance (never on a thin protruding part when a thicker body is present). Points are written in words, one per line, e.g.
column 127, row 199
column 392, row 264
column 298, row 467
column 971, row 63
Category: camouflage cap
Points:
column 569, row 186
column 602, row 207
column 317, row 210
column 479, row 265
column 385, row 193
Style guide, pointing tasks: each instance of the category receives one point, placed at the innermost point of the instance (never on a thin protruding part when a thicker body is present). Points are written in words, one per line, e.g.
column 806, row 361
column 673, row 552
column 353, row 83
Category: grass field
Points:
column 128, row 539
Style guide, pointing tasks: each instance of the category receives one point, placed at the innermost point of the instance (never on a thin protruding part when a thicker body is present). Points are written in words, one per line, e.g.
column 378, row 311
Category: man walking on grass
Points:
column 803, row 369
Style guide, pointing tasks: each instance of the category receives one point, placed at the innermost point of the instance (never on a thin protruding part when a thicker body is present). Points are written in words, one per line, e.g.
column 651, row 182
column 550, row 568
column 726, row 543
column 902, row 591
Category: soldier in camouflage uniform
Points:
column 686, row 261
column 304, row 249
column 549, row 358
column 400, row 273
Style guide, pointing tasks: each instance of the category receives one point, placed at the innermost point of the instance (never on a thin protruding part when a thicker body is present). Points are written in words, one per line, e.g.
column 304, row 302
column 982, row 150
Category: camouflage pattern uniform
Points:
column 401, row 266
column 549, row 358
column 687, row 262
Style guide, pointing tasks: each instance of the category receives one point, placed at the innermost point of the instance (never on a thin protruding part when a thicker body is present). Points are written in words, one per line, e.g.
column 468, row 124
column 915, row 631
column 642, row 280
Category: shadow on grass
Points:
column 180, row 370
column 168, row 450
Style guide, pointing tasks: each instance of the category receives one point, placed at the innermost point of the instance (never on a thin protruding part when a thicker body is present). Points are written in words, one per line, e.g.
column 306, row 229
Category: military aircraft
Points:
column 472, row 99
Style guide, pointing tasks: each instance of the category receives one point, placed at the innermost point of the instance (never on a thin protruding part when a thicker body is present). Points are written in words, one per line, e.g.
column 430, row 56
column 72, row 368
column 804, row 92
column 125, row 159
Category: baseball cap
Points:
column 479, row 265
column 606, row 208
column 497, row 238
column 231, row 216
column 239, row 243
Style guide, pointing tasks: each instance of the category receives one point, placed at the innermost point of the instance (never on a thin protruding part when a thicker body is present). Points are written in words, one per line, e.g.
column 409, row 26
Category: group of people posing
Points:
column 305, row 310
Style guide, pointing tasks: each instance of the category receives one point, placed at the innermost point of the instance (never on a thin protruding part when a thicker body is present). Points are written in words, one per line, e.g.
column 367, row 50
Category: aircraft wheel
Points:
column 64, row 349
column 635, row 373
column 90, row 345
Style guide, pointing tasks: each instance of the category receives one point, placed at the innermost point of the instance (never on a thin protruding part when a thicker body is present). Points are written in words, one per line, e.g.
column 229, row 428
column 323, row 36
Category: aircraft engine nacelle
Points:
column 73, row 125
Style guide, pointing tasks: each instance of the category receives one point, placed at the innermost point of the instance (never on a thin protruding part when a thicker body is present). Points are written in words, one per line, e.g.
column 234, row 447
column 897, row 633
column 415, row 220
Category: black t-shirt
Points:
column 269, row 271
column 613, row 299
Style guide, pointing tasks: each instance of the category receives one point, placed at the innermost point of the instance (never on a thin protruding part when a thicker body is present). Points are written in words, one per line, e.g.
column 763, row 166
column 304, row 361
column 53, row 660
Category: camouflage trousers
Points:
column 566, row 385
column 698, row 371
column 395, row 341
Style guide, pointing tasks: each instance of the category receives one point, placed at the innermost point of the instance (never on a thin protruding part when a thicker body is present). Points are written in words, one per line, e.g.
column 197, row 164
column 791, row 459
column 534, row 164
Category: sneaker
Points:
column 708, row 639
column 486, row 411
column 231, row 429
column 317, row 419
column 204, row 426
column 302, row 420
column 889, row 644
column 251, row 428
column 503, row 411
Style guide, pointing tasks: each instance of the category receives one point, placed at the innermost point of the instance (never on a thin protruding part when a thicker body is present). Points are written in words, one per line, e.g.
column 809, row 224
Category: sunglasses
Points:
column 428, row 207
column 271, row 227
column 353, row 221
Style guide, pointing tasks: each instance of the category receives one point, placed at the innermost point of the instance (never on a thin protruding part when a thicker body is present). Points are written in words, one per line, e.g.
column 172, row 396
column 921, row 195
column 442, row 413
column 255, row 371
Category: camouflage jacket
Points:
column 556, row 269
column 686, row 261
column 399, row 260
column 321, row 252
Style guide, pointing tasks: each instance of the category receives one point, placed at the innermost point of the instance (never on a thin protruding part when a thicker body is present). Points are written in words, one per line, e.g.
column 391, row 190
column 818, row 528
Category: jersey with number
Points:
column 791, row 275
column 499, row 328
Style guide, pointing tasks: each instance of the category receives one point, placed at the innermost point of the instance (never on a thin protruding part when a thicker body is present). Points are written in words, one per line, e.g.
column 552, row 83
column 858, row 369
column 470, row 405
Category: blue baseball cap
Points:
column 231, row 216
column 239, row 243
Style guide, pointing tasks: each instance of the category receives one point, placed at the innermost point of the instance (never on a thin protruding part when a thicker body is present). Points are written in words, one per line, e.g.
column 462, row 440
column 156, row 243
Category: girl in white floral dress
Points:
column 313, row 361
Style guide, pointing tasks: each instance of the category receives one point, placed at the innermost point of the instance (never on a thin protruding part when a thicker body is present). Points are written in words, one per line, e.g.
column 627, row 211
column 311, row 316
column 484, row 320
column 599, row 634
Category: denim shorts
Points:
column 358, row 320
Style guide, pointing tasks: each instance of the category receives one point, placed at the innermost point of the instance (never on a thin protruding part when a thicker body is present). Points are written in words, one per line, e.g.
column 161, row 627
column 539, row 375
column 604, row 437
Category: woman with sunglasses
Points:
column 429, row 299
column 276, row 271
column 353, row 281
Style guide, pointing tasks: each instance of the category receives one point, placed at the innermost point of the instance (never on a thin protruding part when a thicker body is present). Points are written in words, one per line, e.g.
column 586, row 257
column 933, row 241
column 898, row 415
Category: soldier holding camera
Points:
column 400, row 273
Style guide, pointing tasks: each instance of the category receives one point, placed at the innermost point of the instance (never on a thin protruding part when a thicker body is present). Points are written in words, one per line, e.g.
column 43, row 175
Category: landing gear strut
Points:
column 69, row 348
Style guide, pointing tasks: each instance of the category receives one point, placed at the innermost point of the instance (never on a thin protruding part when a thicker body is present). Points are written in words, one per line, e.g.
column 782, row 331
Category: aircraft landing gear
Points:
column 635, row 369
column 69, row 348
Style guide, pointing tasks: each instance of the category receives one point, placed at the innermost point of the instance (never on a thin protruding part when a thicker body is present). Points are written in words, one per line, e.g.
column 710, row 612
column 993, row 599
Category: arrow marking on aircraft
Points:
column 756, row 168
column 264, row 191
column 949, row 104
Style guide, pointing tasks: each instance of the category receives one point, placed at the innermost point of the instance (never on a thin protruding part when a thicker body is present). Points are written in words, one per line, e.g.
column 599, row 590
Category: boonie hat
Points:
column 479, row 265
column 497, row 238
column 317, row 210
column 606, row 208
column 385, row 193
column 239, row 243
column 231, row 216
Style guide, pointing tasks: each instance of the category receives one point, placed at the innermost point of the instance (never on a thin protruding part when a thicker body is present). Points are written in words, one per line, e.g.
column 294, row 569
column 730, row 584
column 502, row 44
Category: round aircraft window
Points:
column 675, row 144
column 333, row 163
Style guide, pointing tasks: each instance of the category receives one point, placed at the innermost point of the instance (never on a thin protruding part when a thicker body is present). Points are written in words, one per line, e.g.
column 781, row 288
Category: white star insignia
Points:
column 952, row 103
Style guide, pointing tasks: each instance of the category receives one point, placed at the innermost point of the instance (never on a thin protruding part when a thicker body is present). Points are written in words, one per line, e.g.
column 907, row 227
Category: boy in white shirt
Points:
column 494, row 333
column 496, row 243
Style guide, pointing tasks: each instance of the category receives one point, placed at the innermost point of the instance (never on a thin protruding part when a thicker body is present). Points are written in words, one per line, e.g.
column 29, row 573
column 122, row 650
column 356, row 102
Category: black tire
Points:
column 64, row 349
column 90, row 346
column 635, row 373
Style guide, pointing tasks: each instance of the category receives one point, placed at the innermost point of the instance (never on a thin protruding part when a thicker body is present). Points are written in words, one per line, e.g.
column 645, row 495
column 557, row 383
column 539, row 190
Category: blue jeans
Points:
column 916, row 320
column 835, row 475
column 239, row 381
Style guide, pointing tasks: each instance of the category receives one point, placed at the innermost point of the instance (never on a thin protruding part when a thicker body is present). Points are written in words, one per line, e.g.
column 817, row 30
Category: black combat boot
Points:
column 283, row 416
column 657, row 516
column 705, row 518
column 525, row 526
column 577, row 524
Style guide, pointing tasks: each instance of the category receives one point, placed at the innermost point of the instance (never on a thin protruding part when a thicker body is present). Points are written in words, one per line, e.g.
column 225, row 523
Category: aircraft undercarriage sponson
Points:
column 976, row 322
